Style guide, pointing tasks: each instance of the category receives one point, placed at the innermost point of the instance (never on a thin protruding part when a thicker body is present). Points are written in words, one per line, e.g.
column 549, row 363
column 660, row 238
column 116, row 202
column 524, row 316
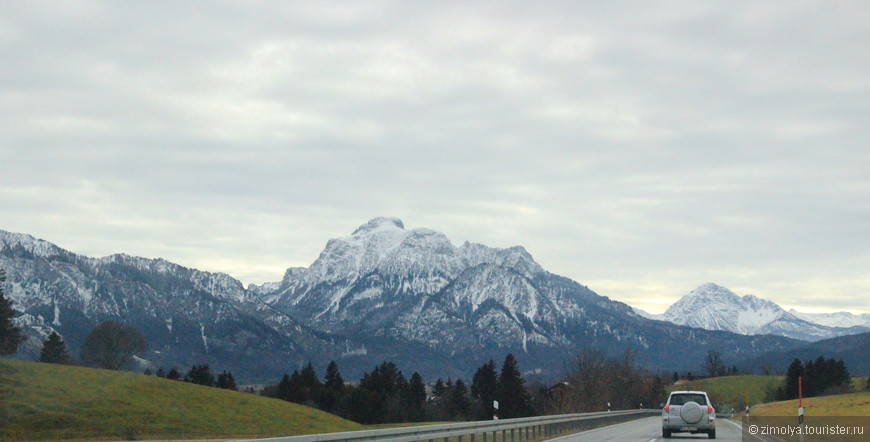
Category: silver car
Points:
column 689, row 412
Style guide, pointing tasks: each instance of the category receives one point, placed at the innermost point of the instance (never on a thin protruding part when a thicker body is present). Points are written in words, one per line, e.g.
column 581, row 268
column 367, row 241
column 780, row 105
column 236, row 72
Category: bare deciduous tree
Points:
column 111, row 345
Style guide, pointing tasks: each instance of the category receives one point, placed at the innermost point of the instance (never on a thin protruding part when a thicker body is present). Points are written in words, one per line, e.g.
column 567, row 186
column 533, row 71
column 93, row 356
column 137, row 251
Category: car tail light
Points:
column 667, row 408
column 709, row 409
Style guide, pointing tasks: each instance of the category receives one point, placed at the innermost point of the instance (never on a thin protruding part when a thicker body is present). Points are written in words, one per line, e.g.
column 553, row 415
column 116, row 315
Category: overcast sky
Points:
column 641, row 149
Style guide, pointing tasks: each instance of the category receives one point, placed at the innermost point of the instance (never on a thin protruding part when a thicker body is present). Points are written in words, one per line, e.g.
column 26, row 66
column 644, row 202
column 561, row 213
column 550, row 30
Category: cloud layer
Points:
column 639, row 149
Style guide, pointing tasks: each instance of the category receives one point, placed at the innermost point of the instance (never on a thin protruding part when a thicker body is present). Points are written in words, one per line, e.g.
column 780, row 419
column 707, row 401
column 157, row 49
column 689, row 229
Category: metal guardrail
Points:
column 510, row 429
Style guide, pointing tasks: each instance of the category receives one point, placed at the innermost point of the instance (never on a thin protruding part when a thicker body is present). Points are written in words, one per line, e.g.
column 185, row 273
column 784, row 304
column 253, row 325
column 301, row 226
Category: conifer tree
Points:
column 795, row 370
column 514, row 400
column 54, row 351
column 416, row 398
column 284, row 392
column 10, row 335
column 439, row 389
column 484, row 387
column 227, row 381
column 333, row 377
column 309, row 386
column 458, row 404
column 333, row 388
column 173, row 375
column 200, row 375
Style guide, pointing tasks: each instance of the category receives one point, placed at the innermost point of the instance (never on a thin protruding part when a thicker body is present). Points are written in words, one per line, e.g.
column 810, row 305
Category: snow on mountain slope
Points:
column 382, row 268
column 713, row 307
column 381, row 293
column 186, row 315
column 645, row 314
column 837, row 319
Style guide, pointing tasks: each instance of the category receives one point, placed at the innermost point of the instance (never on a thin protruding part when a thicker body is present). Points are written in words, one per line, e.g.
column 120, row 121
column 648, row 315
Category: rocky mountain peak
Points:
column 714, row 307
column 379, row 223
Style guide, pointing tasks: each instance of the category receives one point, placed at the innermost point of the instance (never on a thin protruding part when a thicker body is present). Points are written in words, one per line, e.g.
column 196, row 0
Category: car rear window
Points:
column 682, row 398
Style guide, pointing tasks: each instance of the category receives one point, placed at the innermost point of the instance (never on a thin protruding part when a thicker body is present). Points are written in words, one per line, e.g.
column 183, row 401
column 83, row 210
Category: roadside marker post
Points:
column 800, row 400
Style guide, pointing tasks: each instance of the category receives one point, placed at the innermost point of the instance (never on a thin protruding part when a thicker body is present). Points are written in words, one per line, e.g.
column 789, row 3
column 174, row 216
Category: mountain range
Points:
column 383, row 292
column 714, row 307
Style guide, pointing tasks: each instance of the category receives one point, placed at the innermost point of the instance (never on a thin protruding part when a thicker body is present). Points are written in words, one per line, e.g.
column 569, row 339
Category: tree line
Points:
column 819, row 377
column 386, row 395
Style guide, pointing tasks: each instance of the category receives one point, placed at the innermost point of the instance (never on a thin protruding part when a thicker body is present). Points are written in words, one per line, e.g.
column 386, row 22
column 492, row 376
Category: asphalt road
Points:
column 650, row 429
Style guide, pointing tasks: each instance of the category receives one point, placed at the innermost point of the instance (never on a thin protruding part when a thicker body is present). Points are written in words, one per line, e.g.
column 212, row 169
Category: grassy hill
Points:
column 45, row 401
column 853, row 404
column 731, row 391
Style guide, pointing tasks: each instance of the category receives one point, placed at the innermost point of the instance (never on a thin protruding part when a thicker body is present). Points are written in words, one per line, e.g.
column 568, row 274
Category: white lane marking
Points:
column 739, row 426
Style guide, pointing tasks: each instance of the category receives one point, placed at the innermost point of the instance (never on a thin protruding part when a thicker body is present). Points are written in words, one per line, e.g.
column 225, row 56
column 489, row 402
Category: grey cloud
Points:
column 660, row 146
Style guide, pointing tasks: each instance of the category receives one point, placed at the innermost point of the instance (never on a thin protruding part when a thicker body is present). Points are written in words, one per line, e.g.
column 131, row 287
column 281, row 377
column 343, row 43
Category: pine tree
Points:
column 795, row 370
column 333, row 377
column 10, row 335
column 416, row 398
column 227, row 381
column 458, row 404
column 514, row 400
column 439, row 389
column 484, row 387
column 54, row 351
column 200, row 375
column 333, row 388
column 173, row 375
column 309, row 386
column 284, row 392
column 387, row 385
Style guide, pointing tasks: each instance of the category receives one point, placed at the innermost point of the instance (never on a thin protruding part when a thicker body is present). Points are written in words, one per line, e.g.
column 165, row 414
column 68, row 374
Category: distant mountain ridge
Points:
column 713, row 307
column 382, row 293
column 187, row 315
column 837, row 319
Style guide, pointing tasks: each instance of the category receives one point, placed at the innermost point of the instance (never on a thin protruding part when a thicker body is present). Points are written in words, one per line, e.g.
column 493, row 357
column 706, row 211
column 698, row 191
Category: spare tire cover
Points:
column 691, row 412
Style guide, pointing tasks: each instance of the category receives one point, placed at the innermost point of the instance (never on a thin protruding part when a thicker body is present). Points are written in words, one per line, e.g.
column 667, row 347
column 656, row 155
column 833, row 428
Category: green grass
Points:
column 731, row 391
column 852, row 404
column 45, row 401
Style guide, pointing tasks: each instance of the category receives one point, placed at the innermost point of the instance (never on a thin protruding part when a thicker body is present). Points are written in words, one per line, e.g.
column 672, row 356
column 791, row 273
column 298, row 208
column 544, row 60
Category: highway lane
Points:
column 650, row 430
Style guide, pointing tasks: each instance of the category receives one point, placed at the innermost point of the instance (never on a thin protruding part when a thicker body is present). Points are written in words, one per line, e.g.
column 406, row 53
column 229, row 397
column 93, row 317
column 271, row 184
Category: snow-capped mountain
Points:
column 385, row 283
column 187, row 316
column 383, row 292
column 837, row 319
column 713, row 307
column 390, row 280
